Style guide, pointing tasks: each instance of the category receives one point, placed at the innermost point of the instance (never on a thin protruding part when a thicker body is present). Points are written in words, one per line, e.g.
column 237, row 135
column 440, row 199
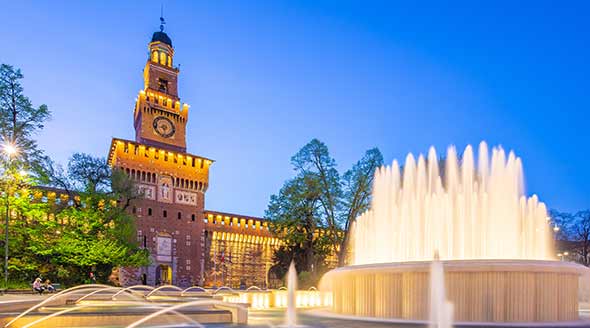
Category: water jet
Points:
column 495, row 245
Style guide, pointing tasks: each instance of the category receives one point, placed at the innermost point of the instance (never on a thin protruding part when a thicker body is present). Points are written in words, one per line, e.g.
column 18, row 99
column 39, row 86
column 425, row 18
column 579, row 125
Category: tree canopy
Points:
column 313, row 210
column 77, row 222
column 573, row 233
column 64, row 237
column 20, row 121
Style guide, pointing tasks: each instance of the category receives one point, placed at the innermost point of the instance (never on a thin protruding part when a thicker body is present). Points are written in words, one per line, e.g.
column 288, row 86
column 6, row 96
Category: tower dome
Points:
column 161, row 37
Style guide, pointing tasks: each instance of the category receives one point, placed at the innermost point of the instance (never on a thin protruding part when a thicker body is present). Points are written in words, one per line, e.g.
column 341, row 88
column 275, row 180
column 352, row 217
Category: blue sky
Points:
column 263, row 78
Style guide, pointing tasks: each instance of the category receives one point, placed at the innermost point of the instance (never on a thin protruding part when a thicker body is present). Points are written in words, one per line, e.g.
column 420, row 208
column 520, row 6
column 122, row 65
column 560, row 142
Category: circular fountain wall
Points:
column 496, row 245
column 480, row 290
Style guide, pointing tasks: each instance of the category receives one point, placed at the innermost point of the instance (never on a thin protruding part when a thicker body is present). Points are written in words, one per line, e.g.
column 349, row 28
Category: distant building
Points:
column 188, row 244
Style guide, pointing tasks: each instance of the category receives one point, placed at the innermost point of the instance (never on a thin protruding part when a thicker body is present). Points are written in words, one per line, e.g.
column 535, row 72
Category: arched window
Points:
column 134, row 210
column 149, row 211
column 169, row 61
column 179, row 215
column 165, row 214
column 162, row 58
column 155, row 56
column 144, row 241
column 193, row 217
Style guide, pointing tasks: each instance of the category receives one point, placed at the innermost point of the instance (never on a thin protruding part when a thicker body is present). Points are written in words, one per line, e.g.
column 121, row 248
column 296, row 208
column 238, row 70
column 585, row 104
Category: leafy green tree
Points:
column 64, row 239
column 357, row 185
column 295, row 213
column 20, row 120
column 313, row 211
column 315, row 164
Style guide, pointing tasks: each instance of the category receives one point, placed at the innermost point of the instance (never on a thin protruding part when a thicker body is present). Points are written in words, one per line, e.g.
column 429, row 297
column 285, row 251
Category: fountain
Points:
column 101, row 306
column 291, row 296
column 495, row 245
column 441, row 310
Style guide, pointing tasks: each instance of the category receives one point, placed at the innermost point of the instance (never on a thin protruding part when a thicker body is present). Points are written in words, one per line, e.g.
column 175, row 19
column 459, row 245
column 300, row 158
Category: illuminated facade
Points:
column 188, row 245
column 238, row 250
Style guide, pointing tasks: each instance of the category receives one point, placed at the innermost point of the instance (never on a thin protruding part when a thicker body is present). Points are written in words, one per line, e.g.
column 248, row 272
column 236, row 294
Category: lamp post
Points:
column 10, row 151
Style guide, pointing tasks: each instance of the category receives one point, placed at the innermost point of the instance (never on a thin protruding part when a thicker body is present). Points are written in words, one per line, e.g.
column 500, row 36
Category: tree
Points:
column 313, row 211
column 574, row 230
column 20, row 120
column 88, row 174
column 357, row 184
column 295, row 213
column 314, row 163
column 64, row 237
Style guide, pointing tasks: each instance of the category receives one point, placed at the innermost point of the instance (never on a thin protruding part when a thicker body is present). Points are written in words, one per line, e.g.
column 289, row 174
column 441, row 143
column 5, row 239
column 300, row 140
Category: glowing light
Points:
column 278, row 299
column 10, row 149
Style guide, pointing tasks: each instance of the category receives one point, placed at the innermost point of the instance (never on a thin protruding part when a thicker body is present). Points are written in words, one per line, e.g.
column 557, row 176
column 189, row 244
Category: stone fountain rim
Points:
column 479, row 265
column 325, row 313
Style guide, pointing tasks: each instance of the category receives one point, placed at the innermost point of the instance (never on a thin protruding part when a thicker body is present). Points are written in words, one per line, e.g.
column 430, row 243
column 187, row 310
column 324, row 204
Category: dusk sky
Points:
column 265, row 77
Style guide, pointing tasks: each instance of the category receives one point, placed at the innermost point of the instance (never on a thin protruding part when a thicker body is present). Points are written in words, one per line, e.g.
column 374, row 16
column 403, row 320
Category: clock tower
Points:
column 159, row 117
column 171, row 182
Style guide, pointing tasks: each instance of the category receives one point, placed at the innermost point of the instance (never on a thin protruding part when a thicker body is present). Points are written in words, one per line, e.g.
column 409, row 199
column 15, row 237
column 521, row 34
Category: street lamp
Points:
column 10, row 151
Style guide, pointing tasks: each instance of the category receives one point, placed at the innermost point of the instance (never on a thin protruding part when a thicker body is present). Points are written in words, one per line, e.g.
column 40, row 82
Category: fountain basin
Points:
column 101, row 317
column 481, row 290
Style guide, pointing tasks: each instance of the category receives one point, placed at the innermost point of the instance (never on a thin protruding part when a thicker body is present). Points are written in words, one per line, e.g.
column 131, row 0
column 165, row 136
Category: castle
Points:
column 188, row 245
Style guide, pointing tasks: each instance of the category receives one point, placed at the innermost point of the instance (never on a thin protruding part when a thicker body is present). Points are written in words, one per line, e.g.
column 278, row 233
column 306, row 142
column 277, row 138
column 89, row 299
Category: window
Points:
column 134, row 210
column 165, row 214
column 144, row 241
column 163, row 85
column 155, row 56
column 179, row 215
column 162, row 58
column 193, row 217
column 149, row 211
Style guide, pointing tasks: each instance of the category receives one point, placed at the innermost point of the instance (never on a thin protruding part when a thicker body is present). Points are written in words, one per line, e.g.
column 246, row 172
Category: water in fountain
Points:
column 479, row 212
column 441, row 310
column 98, row 301
column 291, row 295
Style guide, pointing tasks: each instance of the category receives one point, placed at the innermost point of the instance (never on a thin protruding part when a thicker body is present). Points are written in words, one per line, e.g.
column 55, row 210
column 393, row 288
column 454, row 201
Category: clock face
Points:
column 164, row 127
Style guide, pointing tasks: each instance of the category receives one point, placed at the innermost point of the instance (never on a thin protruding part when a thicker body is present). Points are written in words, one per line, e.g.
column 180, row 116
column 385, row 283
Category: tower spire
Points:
column 162, row 22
